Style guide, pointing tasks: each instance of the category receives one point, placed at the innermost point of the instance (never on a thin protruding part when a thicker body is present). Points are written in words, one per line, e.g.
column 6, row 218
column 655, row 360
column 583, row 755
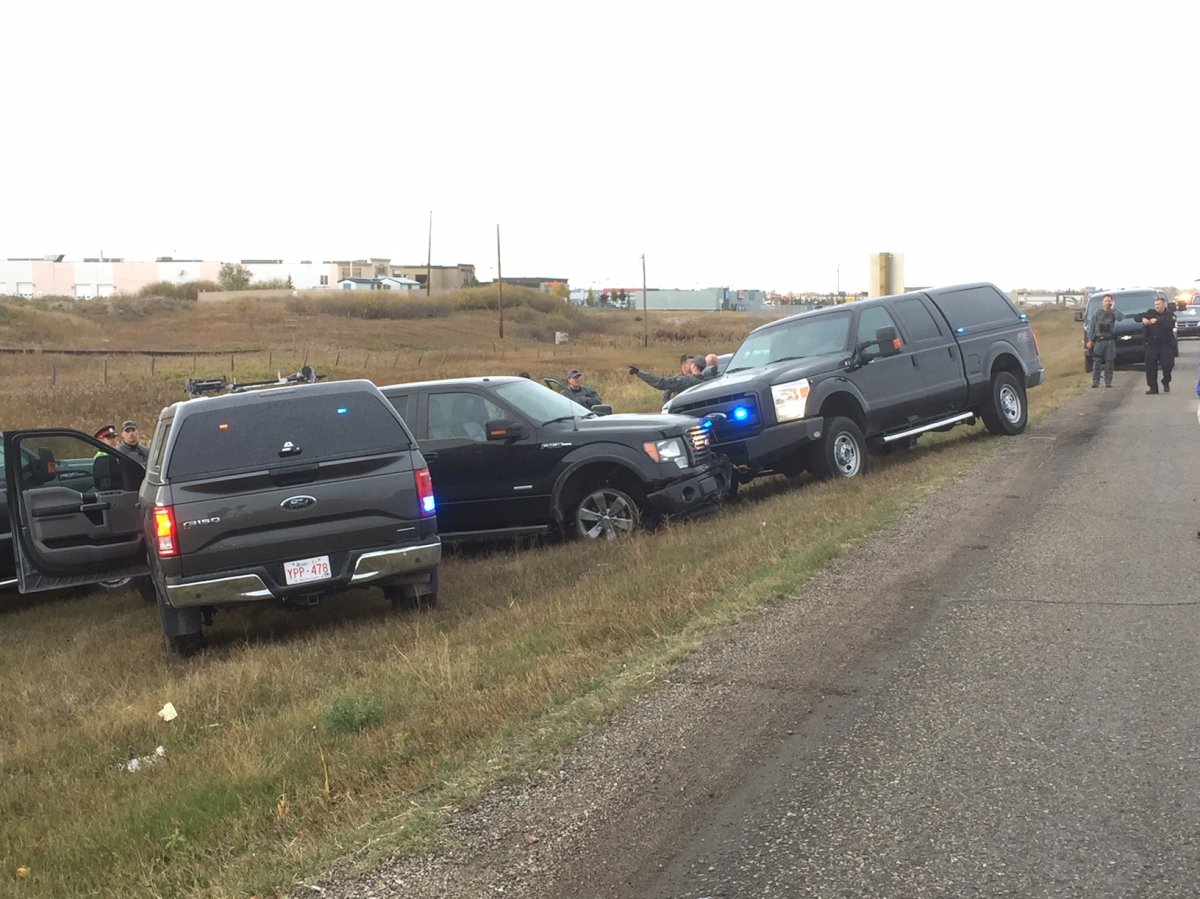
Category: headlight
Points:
column 790, row 399
column 667, row 451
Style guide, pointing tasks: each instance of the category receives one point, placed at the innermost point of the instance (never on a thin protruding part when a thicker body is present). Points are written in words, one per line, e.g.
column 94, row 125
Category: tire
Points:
column 405, row 596
column 605, row 512
column 1005, row 412
column 185, row 645
column 115, row 583
column 145, row 589
column 841, row 452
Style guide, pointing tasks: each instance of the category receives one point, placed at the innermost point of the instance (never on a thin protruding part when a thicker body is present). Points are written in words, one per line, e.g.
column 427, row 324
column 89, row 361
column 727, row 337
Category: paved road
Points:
column 998, row 696
column 1040, row 736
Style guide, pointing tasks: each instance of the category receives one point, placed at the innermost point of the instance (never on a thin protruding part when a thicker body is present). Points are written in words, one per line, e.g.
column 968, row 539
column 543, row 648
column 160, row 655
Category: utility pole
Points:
column 645, row 321
column 499, row 283
column 429, row 257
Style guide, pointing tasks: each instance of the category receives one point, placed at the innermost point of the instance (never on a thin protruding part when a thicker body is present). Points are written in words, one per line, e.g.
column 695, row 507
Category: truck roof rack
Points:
column 194, row 387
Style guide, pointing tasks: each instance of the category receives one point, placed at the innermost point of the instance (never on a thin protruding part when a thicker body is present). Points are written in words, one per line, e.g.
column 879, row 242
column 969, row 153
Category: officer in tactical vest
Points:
column 1102, row 342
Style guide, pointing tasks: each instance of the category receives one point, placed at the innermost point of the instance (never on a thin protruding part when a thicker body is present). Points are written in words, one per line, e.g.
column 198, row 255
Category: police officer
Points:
column 688, row 377
column 1102, row 341
column 1159, row 324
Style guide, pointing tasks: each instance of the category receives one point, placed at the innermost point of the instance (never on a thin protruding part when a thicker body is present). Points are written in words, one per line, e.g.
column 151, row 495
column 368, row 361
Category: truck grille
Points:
column 697, row 441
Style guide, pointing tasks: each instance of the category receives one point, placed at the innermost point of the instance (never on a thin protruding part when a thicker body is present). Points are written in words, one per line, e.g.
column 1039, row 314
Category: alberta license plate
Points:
column 304, row 570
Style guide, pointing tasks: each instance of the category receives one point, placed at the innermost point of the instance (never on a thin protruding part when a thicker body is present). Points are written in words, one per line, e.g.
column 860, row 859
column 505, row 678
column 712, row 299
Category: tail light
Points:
column 425, row 493
column 1037, row 349
column 164, row 532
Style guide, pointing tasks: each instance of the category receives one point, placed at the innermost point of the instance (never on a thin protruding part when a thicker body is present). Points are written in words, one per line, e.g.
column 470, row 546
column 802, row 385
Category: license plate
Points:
column 304, row 570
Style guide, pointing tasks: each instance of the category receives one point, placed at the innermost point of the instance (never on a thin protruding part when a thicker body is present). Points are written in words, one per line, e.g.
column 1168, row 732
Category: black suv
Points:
column 509, row 456
column 280, row 495
column 1129, row 333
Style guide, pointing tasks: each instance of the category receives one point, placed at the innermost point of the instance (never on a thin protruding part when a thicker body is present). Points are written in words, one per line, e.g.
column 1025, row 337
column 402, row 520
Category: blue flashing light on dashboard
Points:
column 343, row 410
column 740, row 413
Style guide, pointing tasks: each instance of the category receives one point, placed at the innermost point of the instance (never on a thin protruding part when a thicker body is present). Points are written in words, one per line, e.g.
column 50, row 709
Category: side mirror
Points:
column 1078, row 315
column 602, row 409
column 502, row 429
column 886, row 343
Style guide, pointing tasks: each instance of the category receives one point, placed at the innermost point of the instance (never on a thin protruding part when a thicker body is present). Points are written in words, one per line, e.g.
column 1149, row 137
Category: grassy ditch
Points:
column 352, row 730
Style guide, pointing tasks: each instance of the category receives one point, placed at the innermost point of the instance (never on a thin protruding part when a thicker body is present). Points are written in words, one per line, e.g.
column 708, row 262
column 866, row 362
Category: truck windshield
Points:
column 1132, row 303
column 814, row 336
column 538, row 402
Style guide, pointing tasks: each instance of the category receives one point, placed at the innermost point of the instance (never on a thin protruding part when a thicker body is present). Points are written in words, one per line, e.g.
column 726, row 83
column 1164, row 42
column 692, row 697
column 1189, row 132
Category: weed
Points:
column 349, row 713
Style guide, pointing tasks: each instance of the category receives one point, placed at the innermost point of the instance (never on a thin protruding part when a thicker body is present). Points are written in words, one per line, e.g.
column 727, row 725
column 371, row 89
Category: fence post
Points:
column 367, row 361
column 270, row 354
column 338, row 359
column 231, row 361
column 53, row 375
column 152, row 365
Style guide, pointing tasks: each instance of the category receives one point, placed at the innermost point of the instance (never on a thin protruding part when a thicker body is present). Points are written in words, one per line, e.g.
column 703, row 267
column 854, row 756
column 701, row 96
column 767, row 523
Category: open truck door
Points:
column 73, row 510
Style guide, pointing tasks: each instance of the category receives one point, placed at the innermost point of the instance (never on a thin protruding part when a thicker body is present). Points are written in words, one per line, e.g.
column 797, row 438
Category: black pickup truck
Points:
column 508, row 457
column 814, row 391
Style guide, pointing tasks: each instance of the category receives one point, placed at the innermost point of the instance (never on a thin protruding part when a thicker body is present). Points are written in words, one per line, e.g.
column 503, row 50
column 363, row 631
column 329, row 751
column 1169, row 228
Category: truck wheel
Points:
column 182, row 628
column 185, row 645
column 606, row 513
column 841, row 452
column 406, row 596
column 1005, row 412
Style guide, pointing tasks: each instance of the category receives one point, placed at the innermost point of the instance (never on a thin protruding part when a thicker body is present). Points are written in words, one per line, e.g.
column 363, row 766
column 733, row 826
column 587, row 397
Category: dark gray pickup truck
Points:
column 814, row 391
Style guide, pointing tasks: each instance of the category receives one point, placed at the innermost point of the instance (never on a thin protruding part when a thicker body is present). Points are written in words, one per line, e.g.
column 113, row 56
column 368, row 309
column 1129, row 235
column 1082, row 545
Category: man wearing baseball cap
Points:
column 585, row 396
column 130, row 445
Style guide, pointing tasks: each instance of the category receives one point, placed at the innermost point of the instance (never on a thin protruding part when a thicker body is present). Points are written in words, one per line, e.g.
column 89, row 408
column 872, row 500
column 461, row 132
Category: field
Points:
column 353, row 731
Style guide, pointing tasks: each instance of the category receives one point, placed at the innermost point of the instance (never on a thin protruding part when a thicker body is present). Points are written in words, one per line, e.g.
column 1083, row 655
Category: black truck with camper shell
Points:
column 814, row 391
column 509, row 456
column 281, row 495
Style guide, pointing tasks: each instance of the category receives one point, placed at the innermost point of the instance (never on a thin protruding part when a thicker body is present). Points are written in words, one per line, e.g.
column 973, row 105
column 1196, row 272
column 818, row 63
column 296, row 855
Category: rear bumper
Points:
column 1035, row 377
column 262, row 584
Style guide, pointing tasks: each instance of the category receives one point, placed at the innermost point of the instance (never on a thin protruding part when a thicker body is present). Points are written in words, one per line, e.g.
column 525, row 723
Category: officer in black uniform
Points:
column 1159, row 324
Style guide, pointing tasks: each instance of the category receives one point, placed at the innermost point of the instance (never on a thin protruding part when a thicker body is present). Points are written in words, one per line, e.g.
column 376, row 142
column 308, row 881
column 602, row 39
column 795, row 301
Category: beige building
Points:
column 442, row 277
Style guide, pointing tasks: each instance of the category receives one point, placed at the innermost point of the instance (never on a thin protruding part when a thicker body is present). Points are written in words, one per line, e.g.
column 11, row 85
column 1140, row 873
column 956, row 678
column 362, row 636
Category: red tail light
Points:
column 164, row 532
column 425, row 493
column 1037, row 349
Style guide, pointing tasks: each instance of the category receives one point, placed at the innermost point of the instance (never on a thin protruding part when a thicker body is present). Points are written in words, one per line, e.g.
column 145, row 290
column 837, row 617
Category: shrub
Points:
column 351, row 713
column 370, row 304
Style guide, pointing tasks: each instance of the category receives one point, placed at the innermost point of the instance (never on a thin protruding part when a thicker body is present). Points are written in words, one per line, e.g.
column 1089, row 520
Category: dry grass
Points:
column 304, row 737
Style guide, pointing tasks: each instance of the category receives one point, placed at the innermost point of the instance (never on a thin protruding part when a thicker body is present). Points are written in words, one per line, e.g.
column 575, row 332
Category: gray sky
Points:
column 755, row 145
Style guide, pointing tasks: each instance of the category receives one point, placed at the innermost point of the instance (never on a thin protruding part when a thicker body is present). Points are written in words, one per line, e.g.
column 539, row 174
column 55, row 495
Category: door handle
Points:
column 914, row 360
column 95, row 507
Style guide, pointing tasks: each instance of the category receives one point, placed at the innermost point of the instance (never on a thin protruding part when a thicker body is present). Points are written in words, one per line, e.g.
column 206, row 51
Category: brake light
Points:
column 425, row 493
column 164, row 532
column 1037, row 349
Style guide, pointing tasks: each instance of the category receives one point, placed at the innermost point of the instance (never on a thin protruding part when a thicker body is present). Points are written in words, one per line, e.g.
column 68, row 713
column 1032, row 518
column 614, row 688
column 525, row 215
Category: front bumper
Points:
column 710, row 485
column 761, row 451
column 263, row 584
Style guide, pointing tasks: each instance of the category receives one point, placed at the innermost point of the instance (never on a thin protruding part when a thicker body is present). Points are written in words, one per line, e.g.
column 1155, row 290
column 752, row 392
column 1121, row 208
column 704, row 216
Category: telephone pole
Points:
column 645, row 322
column 429, row 257
column 499, row 283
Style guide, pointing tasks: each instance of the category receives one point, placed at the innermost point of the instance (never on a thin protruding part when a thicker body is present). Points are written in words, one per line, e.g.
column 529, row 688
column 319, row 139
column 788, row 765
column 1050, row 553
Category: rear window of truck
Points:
column 267, row 434
column 975, row 307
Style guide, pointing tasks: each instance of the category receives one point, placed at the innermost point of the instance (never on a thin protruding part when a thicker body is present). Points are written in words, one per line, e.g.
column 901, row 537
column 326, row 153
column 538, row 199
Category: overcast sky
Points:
column 755, row 145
